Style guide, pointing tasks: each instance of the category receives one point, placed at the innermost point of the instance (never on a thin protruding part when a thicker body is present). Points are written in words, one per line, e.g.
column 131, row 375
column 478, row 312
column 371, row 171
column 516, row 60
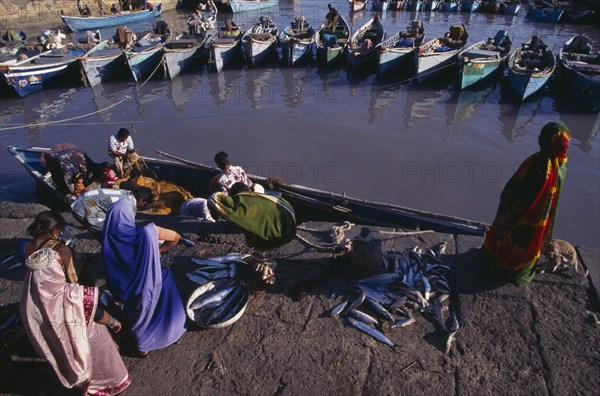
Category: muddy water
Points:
column 428, row 146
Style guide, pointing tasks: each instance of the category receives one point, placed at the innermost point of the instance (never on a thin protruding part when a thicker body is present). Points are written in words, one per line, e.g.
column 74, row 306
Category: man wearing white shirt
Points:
column 122, row 150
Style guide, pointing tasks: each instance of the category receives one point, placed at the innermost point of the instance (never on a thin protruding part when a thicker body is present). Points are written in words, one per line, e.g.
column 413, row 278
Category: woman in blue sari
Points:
column 151, row 303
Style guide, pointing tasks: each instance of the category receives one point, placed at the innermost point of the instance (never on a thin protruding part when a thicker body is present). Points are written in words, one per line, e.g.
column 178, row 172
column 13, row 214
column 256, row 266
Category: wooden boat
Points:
column 414, row 5
column 82, row 23
column 580, row 68
column 296, row 41
column 451, row 5
column 260, row 41
column 491, row 6
column 511, row 7
column 251, row 5
column 441, row 53
column 224, row 48
column 400, row 51
column 480, row 61
column 332, row 45
column 102, row 63
column 144, row 58
column 38, row 72
column 433, row 5
column 310, row 204
column 530, row 67
column 470, row 5
column 379, row 5
column 543, row 11
column 357, row 5
column 179, row 55
column 362, row 57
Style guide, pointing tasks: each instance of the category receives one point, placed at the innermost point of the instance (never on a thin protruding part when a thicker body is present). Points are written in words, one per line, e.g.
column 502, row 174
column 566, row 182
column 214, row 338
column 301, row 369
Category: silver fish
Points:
column 381, row 279
column 233, row 270
column 356, row 303
column 373, row 332
column 208, row 263
column 400, row 301
column 187, row 242
column 426, row 287
column 437, row 306
column 213, row 295
column 452, row 332
column 375, row 306
column 228, row 301
column 9, row 258
column 12, row 267
column 363, row 317
column 339, row 308
column 386, row 263
column 376, row 294
column 404, row 322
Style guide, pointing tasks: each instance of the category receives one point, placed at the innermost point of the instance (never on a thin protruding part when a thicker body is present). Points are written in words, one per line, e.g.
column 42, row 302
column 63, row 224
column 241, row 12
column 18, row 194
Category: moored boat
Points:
column 251, row 5
column 480, row 61
column 451, row 5
column 530, row 67
column 310, row 204
column 433, row 5
column 260, row 41
column 580, row 69
column 332, row 44
column 225, row 47
column 511, row 7
column 470, row 5
column 179, row 55
column 357, row 5
column 102, row 63
column 82, row 23
column 144, row 57
column 399, row 52
column 543, row 11
column 38, row 72
column 362, row 47
column 296, row 41
column 379, row 5
column 440, row 53
column 414, row 5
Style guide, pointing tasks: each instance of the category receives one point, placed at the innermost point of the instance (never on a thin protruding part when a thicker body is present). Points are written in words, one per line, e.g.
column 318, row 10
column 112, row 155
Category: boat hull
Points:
column 525, row 83
column 249, row 6
column 100, row 65
column 294, row 52
column 258, row 51
column 78, row 24
column 143, row 63
column 470, row 6
column 544, row 14
column 397, row 60
column 379, row 5
column 430, row 65
column 330, row 56
column 450, row 6
column 477, row 66
column 224, row 53
column 178, row 60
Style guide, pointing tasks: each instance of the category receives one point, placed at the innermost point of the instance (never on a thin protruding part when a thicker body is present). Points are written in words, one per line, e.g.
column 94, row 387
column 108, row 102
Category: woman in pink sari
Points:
column 60, row 320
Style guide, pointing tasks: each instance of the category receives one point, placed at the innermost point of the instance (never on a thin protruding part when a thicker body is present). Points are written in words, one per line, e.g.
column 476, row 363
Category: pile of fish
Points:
column 222, row 298
column 415, row 282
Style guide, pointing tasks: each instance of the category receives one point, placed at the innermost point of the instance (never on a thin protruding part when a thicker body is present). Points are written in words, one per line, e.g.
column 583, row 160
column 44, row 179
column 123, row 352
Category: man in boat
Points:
column 231, row 174
column 375, row 32
column 101, row 11
column 113, row 9
column 267, row 221
column 124, row 153
column 332, row 17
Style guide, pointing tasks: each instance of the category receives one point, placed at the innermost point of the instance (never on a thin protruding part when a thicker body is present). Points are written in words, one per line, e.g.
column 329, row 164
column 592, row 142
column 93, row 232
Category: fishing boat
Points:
column 543, row 11
column 396, row 5
column 251, row 5
column 332, row 45
column 179, row 55
column 362, row 47
column 225, row 47
column 260, row 41
column 433, row 5
column 400, row 51
column 530, row 67
column 379, row 5
column 82, row 23
column 102, row 62
column 145, row 56
column 357, row 5
column 470, row 5
column 309, row 204
column 414, row 5
column 38, row 72
column 482, row 60
column 440, row 54
column 296, row 41
column 491, row 6
column 580, row 68
column 451, row 5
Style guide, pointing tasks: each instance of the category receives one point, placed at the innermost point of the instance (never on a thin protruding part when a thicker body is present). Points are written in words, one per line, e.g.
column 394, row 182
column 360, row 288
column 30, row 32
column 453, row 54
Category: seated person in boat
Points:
column 83, row 11
column 375, row 32
column 101, row 11
column 162, row 28
column 124, row 37
column 231, row 174
column 197, row 23
column 124, row 153
column 332, row 17
column 113, row 9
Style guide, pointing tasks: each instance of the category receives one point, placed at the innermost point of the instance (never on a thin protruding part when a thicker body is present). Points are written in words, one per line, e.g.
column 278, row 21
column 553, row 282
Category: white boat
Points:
column 400, row 51
column 332, row 45
column 179, row 55
column 357, row 5
column 296, row 41
column 251, row 5
column 260, row 41
column 361, row 55
column 441, row 53
column 144, row 58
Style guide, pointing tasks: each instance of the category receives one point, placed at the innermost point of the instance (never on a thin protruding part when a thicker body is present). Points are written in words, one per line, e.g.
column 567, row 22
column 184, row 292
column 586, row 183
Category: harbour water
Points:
column 429, row 146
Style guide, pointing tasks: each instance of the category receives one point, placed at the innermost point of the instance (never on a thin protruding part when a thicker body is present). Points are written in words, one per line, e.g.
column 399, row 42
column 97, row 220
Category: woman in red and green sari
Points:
column 523, row 224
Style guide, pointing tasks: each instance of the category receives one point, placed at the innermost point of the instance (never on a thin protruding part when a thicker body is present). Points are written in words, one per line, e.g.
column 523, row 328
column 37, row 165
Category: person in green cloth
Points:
column 267, row 221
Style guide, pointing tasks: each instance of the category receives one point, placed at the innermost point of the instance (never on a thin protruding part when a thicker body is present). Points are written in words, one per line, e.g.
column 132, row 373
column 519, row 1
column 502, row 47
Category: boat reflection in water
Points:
column 222, row 86
column 463, row 104
column 181, row 89
column 148, row 94
column 420, row 101
column 259, row 89
column 10, row 109
column 46, row 105
column 582, row 123
column 106, row 95
column 294, row 81
column 381, row 98
column 515, row 118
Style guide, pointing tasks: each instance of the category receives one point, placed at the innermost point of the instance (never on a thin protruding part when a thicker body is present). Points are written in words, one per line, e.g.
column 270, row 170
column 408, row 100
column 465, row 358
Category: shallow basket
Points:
column 208, row 287
column 91, row 207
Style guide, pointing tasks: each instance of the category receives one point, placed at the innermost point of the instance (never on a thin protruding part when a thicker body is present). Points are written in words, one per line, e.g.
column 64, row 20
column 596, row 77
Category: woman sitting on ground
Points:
column 152, row 306
column 54, row 314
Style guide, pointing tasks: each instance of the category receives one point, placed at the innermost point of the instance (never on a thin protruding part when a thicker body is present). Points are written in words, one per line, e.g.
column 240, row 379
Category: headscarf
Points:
column 56, row 316
column 269, row 218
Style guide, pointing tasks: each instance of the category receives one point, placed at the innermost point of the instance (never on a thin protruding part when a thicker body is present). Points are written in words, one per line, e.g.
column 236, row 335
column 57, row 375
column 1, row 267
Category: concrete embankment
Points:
column 539, row 339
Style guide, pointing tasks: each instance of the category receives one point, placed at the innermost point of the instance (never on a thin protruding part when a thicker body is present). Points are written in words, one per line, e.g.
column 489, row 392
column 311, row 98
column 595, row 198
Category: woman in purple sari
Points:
column 151, row 303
